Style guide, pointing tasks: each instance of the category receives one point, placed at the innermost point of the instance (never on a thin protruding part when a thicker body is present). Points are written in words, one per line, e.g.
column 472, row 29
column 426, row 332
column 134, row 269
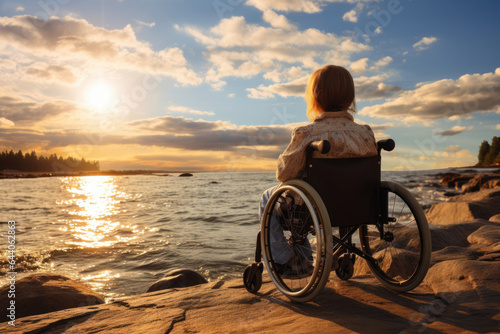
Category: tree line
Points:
column 30, row 162
column 489, row 154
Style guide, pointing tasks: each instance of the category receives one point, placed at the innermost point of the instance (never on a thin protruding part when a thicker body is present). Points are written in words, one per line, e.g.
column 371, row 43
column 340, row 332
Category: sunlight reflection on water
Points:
column 94, row 201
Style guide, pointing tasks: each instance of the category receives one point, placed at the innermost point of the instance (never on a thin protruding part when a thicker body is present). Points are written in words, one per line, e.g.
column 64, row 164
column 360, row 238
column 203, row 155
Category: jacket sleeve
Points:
column 292, row 161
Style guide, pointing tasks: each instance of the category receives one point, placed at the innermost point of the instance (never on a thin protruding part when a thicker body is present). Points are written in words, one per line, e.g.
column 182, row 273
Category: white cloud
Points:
column 187, row 110
column 238, row 48
column 306, row 6
column 149, row 25
column 353, row 14
column 443, row 99
column 360, row 66
column 20, row 9
column 497, row 127
column 69, row 39
column 277, row 20
column 424, row 43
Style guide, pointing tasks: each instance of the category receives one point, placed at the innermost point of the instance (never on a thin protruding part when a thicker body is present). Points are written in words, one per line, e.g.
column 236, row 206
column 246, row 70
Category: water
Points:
column 119, row 234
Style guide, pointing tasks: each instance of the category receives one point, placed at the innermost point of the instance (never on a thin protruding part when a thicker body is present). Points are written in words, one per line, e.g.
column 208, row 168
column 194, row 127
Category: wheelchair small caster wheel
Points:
column 346, row 267
column 252, row 277
column 261, row 267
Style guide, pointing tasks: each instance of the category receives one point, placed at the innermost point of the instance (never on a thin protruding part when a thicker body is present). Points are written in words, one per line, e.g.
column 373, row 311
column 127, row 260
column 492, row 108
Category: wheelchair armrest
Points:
column 322, row 146
column 385, row 144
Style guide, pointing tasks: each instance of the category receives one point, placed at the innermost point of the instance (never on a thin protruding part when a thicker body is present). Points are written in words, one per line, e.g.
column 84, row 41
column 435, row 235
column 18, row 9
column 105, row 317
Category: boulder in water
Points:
column 178, row 278
column 185, row 174
column 43, row 293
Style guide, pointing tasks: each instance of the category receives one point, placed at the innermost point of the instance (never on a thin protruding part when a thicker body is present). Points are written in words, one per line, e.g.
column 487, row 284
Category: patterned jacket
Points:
column 348, row 140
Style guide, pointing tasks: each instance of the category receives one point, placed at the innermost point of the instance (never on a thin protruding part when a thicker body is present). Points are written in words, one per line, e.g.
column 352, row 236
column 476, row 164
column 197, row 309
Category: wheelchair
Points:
column 296, row 243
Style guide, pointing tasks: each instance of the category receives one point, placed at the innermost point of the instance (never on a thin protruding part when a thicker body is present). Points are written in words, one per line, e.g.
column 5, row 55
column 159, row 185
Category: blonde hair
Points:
column 330, row 88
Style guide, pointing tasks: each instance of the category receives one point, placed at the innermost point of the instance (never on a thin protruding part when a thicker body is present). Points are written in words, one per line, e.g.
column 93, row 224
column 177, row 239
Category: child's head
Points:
column 330, row 88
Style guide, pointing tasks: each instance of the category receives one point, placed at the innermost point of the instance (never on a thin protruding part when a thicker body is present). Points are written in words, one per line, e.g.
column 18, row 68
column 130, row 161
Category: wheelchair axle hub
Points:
column 388, row 236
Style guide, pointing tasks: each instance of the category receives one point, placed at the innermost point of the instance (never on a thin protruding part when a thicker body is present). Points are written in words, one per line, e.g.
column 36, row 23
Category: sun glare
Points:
column 100, row 96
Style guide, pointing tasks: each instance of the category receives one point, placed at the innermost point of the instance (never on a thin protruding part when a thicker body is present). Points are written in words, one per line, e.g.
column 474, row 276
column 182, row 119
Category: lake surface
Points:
column 119, row 234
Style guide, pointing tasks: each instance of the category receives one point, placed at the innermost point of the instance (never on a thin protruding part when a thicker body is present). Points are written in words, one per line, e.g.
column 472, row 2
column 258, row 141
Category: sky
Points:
column 218, row 85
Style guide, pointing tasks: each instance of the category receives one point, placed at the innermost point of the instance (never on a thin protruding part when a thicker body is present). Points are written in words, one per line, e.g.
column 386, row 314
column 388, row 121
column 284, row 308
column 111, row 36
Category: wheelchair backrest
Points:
column 349, row 187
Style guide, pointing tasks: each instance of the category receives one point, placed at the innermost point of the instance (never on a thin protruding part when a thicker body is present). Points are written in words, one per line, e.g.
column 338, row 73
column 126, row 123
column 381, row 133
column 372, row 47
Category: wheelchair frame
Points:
column 330, row 248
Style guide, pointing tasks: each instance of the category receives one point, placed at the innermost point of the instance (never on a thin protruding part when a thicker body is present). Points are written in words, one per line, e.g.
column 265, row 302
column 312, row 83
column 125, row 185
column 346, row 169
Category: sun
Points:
column 100, row 96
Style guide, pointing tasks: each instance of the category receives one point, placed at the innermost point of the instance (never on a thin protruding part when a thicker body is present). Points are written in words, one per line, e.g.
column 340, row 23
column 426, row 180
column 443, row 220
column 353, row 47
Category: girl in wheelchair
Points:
column 330, row 99
column 338, row 186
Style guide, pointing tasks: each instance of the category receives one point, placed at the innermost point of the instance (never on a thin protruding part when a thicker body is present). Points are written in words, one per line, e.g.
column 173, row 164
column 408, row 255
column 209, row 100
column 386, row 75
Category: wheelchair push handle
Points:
column 322, row 146
column 386, row 145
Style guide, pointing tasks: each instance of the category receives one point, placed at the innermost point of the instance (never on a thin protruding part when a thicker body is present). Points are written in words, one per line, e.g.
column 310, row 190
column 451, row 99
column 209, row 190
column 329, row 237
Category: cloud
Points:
column 293, row 88
column 20, row 9
column 68, row 38
column 443, row 99
column 52, row 72
column 145, row 24
column 25, row 111
column 353, row 14
column 277, row 20
column 360, row 66
column 238, row 48
column 424, row 43
column 454, row 130
column 453, row 156
column 306, row 6
column 187, row 110
column 367, row 88
column 4, row 122
column 497, row 127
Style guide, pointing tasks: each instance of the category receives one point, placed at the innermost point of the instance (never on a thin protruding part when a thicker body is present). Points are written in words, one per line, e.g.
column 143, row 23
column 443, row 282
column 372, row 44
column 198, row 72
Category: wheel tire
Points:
column 252, row 284
column 310, row 222
column 406, row 264
column 346, row 267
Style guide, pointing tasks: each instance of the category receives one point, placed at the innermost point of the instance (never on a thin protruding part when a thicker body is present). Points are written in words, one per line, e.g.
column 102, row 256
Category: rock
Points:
column 454, row 235
column 481, row 181
column 392, row 263
column 466, row 275
column 178, row 278
column 43, row 293
column 491, row 184
column 186, row 174
column 454, row 253
column 455, row 180
column 482, row 204
column 495, row 218
column 486, row 235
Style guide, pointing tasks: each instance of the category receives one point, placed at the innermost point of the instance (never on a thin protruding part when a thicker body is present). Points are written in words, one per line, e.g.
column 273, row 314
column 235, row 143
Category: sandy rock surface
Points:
column 483, row 204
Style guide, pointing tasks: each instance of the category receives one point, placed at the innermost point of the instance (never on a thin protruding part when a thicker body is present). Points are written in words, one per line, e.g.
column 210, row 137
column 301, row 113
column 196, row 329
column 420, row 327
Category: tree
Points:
column 483, row 151
column 493, row 152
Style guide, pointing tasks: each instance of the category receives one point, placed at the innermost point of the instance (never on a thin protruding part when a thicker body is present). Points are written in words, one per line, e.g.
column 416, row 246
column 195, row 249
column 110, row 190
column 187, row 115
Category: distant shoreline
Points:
column 32, row 175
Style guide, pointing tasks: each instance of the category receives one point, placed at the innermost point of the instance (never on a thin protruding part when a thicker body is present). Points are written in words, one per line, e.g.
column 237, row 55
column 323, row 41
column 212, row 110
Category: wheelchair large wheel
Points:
column 403, row 249
column 296, row 239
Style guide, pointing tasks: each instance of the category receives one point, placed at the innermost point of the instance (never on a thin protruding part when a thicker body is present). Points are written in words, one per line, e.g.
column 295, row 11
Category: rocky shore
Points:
column 460, row 294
